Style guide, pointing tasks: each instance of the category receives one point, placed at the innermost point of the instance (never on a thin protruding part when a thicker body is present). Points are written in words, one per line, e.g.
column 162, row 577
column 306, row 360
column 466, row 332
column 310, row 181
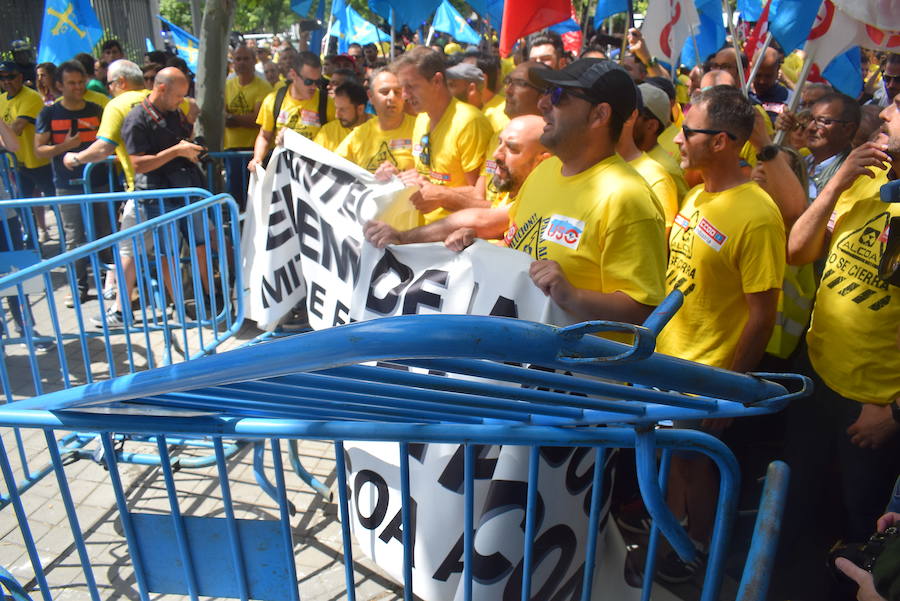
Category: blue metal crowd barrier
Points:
column 413, row 380
column 45, row 346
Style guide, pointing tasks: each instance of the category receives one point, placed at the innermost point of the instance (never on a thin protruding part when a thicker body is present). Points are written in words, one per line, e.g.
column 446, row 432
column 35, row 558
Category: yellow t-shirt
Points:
column 27, row 104
column 602, row 226
column 495, row 111
column 111, row 127
column 491, row 193
column 722, row 246
column 331, row 135
column 666, row 139
column 369, row 146
column 672, row 167
column 660, row 183
column 456, row 146
column 241, row 100
column 96, row 98
column 853, row 336
column 300, row 115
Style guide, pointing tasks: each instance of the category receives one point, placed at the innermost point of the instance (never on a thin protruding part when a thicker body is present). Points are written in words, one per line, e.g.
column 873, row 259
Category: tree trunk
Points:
column 211, row 71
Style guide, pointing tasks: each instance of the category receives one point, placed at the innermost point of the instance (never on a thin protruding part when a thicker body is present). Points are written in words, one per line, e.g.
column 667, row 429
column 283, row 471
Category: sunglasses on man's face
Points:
column 690, row 131
column 309, row 82
column 8, row 76
column 557, row 94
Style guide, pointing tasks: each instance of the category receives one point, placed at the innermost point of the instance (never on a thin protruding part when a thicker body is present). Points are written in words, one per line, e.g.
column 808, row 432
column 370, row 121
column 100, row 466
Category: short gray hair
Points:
column 127, row 69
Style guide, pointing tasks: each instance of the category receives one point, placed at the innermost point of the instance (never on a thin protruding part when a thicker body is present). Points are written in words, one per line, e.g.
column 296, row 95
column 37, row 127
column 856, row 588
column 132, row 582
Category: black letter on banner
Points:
column 340, row 312
column 346, row 258
column 558, row 537
column 417, row 451
column 576, row 483
column 387, row 264
column 415, row 296
column 306, row 227
column 381, row 504
column 316, row 298
column 452, row 478
column 453, row 563
column 275, row 240
column 395, row 529
column 555, row 456
column 505, row 307
column 281, row 277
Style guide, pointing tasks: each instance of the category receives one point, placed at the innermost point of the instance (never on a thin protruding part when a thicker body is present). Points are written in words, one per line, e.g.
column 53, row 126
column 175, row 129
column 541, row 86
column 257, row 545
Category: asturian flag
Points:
column 448, row 20
column 70, row 27
column 187, row 46
column 667, row 26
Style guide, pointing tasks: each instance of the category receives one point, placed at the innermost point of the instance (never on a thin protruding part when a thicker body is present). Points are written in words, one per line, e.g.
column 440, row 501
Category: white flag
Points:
column 834, row 32
column 667, row 26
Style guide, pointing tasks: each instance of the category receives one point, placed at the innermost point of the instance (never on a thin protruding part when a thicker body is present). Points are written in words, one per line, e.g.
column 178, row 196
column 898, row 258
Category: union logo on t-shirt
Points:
column 709, row 234
column 564, row 230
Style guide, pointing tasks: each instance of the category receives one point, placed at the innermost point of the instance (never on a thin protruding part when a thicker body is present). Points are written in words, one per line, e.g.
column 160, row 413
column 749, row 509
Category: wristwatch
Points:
column 76, row 160
column 767, row 153
column 895, row 411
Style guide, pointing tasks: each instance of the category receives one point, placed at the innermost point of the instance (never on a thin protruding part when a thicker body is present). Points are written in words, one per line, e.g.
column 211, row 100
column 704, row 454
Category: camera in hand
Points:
column 203, row 156
column 862, row 554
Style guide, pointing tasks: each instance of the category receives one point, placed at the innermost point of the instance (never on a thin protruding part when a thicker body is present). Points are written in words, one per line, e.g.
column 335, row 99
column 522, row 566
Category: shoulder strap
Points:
column 279, row 100
column 323, row 106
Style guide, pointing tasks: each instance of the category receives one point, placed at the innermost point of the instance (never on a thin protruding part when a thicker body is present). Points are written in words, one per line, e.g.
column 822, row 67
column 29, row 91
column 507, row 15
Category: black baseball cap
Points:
column 598, row 79
column 9, row 67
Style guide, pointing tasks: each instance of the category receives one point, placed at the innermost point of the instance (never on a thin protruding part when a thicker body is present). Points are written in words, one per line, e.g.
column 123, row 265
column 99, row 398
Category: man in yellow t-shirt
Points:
column 726, row 255
column 519, row 151
column 664, row 192
column 851, row 418
column 449, row 138
column 653, row 119
column 586, row 217
column 350, row 111
column 387, row 139
column 19, row 108
column 244, row 94
column 301, row 108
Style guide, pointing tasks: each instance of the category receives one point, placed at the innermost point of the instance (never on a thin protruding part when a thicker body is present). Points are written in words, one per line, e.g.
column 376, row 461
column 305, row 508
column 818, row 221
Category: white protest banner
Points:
column 307, row 236
column 307, row 231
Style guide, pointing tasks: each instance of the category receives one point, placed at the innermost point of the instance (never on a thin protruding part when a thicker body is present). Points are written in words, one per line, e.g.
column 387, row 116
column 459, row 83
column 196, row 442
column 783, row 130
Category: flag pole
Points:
column 629, row 20
column 696, row 47
column 757, row 56
column 393, row 34
column 430, row 34
column 801, row 79
column 737, row 46
column 587, row 19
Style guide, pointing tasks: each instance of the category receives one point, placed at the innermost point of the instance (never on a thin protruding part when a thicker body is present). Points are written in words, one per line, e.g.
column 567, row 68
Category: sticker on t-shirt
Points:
column 682, row 221
column 490, row 166
column 564, row 230
column 401, row 143
column 831, row 221
column 709, row 234
column 309, row 117
column 439, row 177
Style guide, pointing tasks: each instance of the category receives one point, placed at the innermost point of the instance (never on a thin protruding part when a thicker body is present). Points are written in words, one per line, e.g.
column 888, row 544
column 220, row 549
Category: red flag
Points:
column 759, row 32
column 521, row 17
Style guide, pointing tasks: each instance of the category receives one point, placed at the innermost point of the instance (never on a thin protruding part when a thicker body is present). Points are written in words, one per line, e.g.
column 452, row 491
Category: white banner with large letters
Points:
column 303, row 239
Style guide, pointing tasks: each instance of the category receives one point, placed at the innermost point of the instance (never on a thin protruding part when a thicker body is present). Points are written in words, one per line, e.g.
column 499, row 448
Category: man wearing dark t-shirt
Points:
column 156, row 136
column 71, row 125
column 765, row 88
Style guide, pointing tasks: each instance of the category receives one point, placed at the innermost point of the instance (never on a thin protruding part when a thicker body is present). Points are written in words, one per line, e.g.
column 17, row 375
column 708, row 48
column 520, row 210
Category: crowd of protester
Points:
column 661, row 183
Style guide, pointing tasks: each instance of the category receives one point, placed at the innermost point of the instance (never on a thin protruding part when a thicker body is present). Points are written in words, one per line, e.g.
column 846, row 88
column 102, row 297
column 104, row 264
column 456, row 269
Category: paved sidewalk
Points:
column 316, row 531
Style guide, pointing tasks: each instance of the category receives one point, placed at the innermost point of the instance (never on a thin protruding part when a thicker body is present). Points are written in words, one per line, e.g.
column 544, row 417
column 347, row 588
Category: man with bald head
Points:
column 765, row 89
column 156, row 136
column 518, row 153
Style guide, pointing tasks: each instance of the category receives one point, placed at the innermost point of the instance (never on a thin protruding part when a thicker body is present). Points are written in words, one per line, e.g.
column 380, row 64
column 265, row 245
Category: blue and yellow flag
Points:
column 448, row 20
column 186, row 45
column 70, row 27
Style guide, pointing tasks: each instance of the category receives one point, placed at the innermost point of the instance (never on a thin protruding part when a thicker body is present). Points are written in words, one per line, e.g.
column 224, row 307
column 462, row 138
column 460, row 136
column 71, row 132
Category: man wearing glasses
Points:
column 450, row 137
column 587, row 218
column 727, row 256
column 835, row 119
column 303, row 107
